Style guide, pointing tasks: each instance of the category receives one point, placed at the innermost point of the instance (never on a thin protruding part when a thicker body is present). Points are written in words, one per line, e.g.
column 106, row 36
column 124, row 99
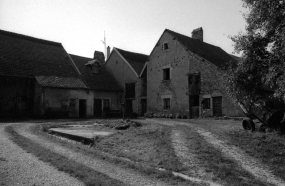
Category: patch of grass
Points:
column 142, row 166
column 85, row 174
column 143, row 143
column 269, row 148
column 222, row 168
column 148, row 144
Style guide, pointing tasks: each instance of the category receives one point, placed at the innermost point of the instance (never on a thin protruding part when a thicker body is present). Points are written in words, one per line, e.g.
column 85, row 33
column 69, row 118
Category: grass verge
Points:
column 269, row 148
column 85, row 174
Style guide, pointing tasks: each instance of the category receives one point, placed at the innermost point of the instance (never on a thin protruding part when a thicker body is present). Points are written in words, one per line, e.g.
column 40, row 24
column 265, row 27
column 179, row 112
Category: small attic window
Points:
column 94, row 66
column 165, row 46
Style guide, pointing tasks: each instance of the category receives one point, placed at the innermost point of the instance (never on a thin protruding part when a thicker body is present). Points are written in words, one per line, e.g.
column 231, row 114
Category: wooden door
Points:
column 143, row 106
column 217, row 106
column 129, row 108
column 97, row 107
column 82, row 108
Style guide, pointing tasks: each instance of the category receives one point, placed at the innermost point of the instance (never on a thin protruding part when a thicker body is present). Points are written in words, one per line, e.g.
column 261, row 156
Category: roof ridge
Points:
column 192, row 38
column 214, row 54
column 80, row 56
column 29, row 38
column 130, row 51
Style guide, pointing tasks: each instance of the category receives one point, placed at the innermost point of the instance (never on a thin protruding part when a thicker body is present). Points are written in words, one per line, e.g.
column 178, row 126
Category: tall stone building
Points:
column 127, row 67
column 184, row 77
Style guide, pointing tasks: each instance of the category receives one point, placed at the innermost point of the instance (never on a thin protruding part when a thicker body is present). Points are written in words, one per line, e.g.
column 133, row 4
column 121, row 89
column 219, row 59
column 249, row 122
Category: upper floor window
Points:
column 165, row 46
column 166, row 74
column 130, row 90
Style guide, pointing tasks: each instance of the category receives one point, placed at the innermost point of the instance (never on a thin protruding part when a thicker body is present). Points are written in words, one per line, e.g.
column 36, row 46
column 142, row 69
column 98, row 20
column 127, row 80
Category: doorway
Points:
column 217, row 106
column 129, row 108
column 194, row 84
column 194, row 103
column 82, row 108
column 143, row 107
column 97, row 107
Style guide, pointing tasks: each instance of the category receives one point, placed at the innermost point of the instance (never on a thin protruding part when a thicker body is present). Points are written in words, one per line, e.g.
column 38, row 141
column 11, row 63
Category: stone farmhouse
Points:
column 183, row 77
column 39, row 78
column 105, row 94
column 127, row 69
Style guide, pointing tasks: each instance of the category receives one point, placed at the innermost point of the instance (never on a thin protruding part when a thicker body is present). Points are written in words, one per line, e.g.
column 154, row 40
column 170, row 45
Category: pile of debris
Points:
column 123, row 125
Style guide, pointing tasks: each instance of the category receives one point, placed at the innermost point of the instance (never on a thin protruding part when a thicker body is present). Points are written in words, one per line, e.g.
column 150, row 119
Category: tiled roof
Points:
column 26, row 56
column 136, row 60
column 212, row 53
column 54, row 81
column 103, row 80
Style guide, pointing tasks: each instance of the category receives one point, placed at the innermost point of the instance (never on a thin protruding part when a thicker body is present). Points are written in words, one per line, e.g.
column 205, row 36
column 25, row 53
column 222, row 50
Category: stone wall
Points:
column 175, row 58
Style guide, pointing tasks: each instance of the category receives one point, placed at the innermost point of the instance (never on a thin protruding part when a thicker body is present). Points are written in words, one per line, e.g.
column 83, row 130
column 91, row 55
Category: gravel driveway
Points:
column 18, row 167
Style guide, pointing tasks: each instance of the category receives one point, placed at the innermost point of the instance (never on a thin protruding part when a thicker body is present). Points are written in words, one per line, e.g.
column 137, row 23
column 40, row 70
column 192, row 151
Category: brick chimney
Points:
column 108, row 51
column 100, row 56
column 198, row 34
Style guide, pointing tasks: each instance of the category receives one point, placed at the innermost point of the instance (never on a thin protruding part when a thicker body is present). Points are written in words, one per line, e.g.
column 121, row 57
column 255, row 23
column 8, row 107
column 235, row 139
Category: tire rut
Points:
column 248, row 163
column 189, row 159
column 18, row 167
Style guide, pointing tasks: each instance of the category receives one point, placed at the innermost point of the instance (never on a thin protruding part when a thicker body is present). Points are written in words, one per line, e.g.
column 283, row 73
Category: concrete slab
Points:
column 86, row 133
column 78, row 126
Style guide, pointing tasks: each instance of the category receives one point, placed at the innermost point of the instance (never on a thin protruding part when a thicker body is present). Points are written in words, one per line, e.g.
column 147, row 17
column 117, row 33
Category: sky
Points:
column 132, row 25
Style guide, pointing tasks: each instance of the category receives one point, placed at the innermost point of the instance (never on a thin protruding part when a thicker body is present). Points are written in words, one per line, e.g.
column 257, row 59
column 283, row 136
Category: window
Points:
column 72, row 103
column 106, row 103
column 206, row 103
column 166, row 103
column 64, row 105
column 165, row 46
column 166, row 74
column 130, row 90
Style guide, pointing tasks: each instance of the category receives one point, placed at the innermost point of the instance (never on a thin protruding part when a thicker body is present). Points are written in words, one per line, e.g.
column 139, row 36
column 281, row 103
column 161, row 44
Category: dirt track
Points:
column 18, row 167
column 250, row 164
column 127, row 176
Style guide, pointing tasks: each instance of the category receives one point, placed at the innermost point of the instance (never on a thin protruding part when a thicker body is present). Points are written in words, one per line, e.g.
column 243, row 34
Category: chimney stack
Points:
column 198, row 34
column 100, row 56
column 108, row 52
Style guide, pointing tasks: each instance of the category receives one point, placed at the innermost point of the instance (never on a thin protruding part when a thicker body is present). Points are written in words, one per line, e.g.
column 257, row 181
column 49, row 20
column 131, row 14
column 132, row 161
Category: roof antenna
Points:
column 104, row 42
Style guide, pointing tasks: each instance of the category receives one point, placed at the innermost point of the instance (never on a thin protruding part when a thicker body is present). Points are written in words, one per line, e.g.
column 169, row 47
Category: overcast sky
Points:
column 133, row 25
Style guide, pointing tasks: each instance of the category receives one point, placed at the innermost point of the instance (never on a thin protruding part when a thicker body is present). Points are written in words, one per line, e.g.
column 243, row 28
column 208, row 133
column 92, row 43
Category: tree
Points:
column 263, row 52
